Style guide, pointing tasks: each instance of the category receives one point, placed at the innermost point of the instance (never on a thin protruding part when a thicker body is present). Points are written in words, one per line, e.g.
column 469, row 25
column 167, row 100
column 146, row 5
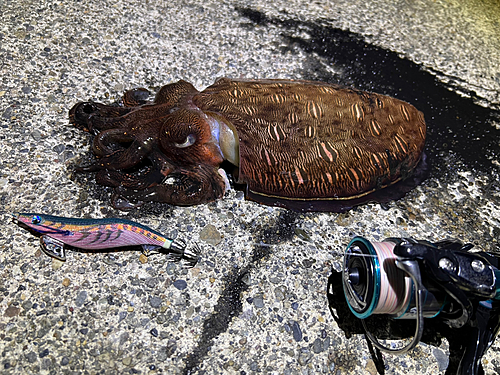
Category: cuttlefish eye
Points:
column 190, row 140
column 36, row 219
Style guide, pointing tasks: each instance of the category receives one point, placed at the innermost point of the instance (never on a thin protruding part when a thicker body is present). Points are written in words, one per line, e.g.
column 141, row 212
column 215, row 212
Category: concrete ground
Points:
column 256, row 302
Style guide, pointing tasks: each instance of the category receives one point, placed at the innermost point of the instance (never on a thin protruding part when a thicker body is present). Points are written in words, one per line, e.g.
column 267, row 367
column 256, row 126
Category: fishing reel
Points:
column 402, row 278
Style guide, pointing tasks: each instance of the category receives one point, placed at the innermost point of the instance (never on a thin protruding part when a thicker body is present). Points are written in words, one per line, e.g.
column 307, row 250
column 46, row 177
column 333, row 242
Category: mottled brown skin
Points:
column 298, row 140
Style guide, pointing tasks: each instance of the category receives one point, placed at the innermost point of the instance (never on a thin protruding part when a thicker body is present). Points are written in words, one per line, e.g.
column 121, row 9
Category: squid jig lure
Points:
column 60, row 233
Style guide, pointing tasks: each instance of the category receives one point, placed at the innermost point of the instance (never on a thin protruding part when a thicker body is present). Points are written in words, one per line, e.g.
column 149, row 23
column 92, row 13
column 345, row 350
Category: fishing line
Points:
column 373, row 283
column 394, row 285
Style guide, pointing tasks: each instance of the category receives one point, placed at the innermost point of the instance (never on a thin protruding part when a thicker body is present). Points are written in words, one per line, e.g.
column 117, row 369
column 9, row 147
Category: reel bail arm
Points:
column 412, row 269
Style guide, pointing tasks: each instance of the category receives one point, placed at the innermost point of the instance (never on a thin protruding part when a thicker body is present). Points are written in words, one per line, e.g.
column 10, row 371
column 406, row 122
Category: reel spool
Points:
column 376, row 281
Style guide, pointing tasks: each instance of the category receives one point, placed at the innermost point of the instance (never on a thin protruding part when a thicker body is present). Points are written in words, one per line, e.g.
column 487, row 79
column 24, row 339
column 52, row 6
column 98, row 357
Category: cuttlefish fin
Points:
column 53, row 248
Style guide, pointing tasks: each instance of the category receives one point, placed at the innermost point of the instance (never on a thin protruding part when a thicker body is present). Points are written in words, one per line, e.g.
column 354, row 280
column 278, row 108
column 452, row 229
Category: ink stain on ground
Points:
column 229, row 303
column 456, row 124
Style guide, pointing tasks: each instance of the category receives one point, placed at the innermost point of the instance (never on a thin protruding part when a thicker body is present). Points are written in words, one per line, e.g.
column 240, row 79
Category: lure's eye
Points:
column 36, row 219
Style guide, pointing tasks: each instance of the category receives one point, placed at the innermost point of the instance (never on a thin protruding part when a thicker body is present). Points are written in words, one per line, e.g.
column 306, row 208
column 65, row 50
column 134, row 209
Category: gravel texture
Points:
column 256, row 301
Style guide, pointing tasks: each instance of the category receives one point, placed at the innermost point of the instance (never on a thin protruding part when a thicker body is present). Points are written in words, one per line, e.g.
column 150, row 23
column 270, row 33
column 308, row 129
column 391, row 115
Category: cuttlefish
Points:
column 299, row 144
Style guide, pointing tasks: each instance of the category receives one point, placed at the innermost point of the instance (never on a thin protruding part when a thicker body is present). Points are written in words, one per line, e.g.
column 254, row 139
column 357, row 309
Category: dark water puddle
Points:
column 229, row 304
column 456, row 125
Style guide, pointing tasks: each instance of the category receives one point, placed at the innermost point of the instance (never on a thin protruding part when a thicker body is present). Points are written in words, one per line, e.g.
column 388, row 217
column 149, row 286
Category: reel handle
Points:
column 481, row 335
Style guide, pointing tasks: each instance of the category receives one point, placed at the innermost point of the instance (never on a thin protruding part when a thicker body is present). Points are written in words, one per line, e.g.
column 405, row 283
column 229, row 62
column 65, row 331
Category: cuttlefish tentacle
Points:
column 109, row 146
column 95, row 117
column 105, row 142
column 193, row 186
column 136, row 97
column 137, row 181
column 128, row 158
column 154, row 174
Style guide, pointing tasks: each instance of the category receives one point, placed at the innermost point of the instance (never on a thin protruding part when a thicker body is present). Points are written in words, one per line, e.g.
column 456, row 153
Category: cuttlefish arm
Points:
column 195, row 144
column 200, row 184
